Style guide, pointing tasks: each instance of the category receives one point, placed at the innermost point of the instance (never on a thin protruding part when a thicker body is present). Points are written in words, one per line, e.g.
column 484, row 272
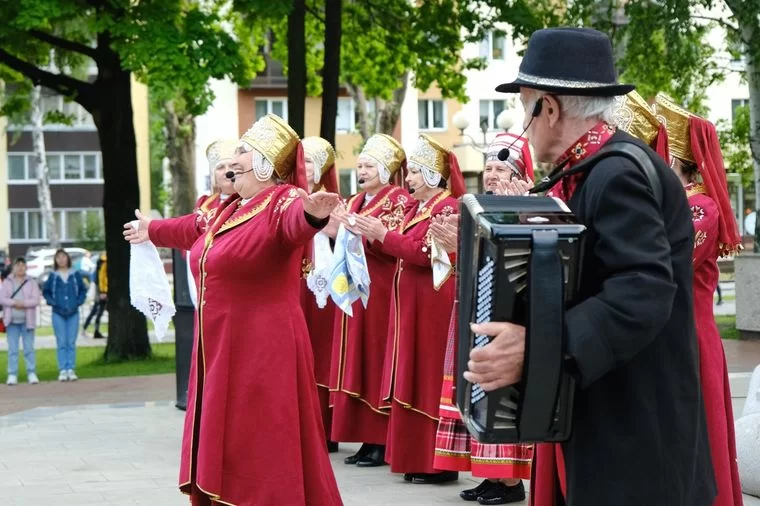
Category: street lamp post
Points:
column 504, row 121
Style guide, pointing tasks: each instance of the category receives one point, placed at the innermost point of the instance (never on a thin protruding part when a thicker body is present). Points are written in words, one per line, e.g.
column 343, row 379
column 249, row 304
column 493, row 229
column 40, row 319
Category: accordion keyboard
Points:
column 484, row 312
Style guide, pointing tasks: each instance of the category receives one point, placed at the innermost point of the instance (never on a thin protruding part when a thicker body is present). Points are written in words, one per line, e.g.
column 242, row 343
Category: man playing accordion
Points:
column 639, row 424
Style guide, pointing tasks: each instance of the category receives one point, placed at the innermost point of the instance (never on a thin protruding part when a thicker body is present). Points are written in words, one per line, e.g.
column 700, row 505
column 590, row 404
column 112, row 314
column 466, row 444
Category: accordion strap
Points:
column 544, row 349
column 633, row 152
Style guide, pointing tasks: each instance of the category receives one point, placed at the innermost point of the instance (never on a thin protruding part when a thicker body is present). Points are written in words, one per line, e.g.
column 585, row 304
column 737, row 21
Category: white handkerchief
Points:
column 319, row 277
column 149, row 290
column 441, row 264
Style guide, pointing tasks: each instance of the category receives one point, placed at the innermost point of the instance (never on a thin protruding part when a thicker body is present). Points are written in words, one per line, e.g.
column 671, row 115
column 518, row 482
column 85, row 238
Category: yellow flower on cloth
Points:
column 149, row 290
column 441, row 264
column 349, row 278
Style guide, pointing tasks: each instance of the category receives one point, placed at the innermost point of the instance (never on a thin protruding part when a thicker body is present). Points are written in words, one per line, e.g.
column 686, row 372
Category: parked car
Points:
column 39, row 262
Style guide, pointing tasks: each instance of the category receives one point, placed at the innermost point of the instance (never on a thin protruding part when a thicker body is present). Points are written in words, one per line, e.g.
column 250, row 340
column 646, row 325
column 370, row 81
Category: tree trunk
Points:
column 753, row 82
column 360, row 102
column 389, row 115
column 43, row 174
column 127, row 330
column 297, row 66
column 180, row 149
column 331, row 70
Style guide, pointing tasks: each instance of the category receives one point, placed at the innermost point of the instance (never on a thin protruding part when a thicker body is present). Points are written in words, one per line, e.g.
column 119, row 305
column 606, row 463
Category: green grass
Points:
column 727, row 326
column 47, row 330
column 90, row 363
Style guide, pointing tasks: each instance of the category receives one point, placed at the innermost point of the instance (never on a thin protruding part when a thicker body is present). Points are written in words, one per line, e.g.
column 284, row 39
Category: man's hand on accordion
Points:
column 500, row 362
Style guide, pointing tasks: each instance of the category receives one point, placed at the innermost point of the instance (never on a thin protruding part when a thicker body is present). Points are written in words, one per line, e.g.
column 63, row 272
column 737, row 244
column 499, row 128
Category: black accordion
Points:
column 518, row 261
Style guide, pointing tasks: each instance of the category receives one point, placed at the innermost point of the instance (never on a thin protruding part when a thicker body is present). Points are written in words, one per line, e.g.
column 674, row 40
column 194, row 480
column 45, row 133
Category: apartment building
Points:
column 76, row 175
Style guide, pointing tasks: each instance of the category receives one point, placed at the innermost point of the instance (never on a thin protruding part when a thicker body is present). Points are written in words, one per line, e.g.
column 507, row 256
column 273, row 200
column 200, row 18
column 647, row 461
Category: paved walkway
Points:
column 128, row 454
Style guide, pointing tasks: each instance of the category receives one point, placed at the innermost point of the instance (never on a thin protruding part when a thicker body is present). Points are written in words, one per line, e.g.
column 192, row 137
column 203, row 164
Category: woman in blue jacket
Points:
column 65, row 291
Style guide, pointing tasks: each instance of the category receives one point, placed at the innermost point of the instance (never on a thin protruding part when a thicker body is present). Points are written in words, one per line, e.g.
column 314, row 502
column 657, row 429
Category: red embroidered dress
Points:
column 359, row 341
column 712, row 359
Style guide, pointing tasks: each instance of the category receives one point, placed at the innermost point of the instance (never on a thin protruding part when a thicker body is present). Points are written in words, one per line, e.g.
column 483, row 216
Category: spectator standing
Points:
column 20, row 297
column 101, row 297
column 65, row 291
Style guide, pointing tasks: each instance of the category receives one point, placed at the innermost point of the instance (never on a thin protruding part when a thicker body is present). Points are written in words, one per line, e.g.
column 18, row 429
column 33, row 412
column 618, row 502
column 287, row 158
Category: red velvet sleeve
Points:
column 704, row 216
column 292, row 224
column 180, row 232
column 407, row 248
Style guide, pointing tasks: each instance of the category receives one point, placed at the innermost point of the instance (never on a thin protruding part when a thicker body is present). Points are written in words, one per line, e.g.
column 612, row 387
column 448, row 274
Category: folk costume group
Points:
column 282, row 371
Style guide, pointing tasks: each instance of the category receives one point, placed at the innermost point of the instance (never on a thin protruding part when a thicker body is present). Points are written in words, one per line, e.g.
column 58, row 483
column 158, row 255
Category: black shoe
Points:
column 353, row 459
column 431, row 478
column 332, row 447
column 472, row 494
column 409, row 476
column 98, row 335
column 374, row 458
column 502, row 494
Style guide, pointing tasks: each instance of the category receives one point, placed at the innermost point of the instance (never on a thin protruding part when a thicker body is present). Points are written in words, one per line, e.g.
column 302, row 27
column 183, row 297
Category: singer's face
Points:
column 415, row 182
column 495, row 172
column 221, row 182
column 243, row 178
column 367, row 171
column 309, row 164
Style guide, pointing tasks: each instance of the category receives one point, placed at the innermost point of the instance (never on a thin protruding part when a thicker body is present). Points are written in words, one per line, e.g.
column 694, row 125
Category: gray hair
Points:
column 582, row 107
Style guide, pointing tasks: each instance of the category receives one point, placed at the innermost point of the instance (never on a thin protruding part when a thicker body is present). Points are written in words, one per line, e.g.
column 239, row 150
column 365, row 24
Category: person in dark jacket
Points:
column 638, row 424
column 65, row 291
column 101, row 297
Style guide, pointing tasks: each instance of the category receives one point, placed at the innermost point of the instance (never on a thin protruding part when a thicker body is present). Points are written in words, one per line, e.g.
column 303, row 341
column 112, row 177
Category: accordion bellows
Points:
column 518, row 261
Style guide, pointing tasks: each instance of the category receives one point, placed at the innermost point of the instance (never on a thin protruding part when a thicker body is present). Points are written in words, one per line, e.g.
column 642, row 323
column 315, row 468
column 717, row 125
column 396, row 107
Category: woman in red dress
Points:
column 359, row 344
column 253, row 432
column 503, row 466
column 695, row 153
column 420, row 312
column 321, row 174
column 220, row 155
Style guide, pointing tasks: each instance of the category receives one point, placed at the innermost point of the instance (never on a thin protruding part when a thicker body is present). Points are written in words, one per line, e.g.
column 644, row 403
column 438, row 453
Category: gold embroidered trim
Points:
column 696, row 189
column 230, row 223
column 206, row 203
column 427, row 211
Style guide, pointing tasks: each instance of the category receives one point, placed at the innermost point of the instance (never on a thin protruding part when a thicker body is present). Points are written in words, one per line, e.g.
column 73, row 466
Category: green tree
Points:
column 170, row 45
column 90, row 234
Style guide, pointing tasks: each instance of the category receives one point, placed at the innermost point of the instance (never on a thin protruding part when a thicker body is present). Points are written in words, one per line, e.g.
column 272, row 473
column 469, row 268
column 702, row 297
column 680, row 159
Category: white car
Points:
column 40, row 262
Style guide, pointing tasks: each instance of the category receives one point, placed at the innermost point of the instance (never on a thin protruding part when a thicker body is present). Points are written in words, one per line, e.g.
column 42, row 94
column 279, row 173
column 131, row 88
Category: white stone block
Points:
column 748, row 453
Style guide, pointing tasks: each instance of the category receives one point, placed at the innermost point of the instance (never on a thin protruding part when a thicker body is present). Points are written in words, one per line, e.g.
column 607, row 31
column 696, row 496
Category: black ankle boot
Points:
column 502, row 494
column 431, row 478
column 472, row 494
column 374, row 458
column 332, row 447
column 353, row 459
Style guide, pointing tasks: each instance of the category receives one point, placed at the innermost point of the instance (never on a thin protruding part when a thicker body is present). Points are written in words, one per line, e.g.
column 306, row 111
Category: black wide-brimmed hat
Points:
column 568, row 61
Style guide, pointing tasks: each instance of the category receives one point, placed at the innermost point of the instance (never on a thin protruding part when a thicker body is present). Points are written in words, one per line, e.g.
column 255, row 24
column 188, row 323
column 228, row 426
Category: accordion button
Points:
column 424, row 249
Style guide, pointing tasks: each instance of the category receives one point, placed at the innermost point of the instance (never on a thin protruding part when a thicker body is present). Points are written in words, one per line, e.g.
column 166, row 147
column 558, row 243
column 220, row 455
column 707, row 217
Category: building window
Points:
column 278, row 106
column 347, row 180
column 489, row 111
column 62, row 167
column 347, row 120
column 28, row 225
column 76, row 114
column 493, row 46
column 735, row 104
column 431, row 114
column 16, row 167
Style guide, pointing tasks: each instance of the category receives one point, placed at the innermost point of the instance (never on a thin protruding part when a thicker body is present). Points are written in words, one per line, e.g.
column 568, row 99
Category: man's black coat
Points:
column 639, row 435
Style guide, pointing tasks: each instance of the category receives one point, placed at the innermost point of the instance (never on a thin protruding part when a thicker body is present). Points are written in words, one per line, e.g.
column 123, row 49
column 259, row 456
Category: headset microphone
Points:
column 362, row 181
column 231, row 175
column 504, row 153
